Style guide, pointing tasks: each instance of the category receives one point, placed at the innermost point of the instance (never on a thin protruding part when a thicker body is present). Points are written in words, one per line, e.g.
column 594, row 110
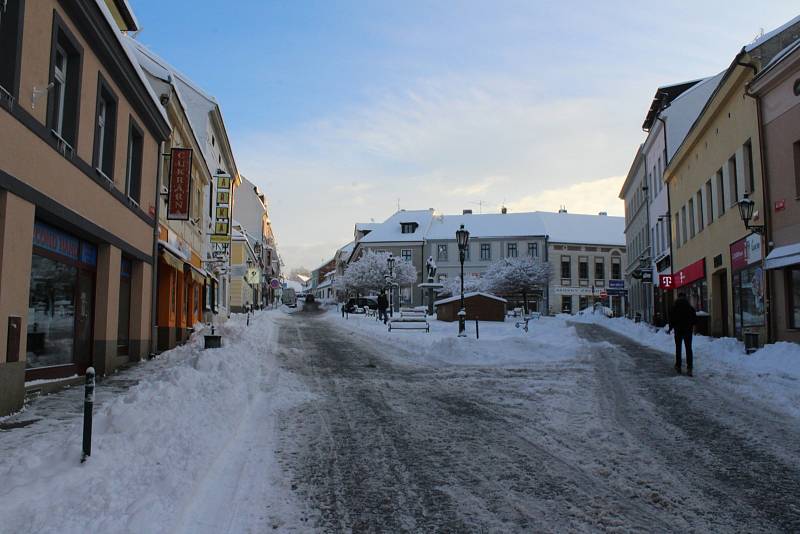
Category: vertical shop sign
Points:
column 221, row 236
column 180, row 184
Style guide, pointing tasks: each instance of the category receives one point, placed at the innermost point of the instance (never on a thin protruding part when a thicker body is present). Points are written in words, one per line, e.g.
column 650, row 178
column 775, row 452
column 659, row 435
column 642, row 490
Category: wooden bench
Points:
column 409, row 323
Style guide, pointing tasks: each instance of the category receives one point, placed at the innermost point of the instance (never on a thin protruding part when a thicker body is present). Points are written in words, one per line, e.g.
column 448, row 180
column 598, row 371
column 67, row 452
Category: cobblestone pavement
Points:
column 611, row 441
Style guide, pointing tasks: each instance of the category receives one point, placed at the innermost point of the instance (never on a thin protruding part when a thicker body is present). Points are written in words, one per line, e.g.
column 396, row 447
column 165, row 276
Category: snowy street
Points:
column 610, row 439
column 315, row 423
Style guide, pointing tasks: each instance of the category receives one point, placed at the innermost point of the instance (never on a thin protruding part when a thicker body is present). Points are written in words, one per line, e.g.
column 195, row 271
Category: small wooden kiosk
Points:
column 482, row 306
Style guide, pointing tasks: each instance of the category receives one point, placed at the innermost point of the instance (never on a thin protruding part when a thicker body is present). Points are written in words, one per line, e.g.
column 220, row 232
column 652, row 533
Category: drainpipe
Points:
column 669, row 208
column 765, row 197
column 154, row 289
column 547, row 289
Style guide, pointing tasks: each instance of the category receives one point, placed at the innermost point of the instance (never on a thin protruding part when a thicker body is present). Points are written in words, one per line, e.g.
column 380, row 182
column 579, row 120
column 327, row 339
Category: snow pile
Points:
column 549, row 339
column 151, row 446
column 770, row 374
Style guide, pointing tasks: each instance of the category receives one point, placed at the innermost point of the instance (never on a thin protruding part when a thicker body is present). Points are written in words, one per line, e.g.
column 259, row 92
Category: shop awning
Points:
column 171, row 259
column 783, row 256
column 198, row 275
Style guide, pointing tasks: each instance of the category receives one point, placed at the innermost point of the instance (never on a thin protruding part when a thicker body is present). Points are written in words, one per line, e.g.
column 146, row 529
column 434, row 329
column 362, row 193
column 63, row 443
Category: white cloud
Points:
column 447, row 144
column 590, row 197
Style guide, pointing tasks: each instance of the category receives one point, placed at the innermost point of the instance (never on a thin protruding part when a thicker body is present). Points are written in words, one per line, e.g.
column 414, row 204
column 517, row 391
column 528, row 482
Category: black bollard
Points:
column 477, row 333
column 88, row 404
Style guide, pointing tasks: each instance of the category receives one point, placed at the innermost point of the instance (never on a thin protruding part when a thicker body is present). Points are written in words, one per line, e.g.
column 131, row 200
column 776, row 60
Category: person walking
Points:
column 682, row 319
column 383, row 304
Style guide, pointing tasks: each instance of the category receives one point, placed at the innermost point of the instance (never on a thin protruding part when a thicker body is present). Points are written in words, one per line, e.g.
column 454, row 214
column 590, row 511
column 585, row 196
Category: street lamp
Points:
column 390, row 263
column 746, row 206
column 462, row 238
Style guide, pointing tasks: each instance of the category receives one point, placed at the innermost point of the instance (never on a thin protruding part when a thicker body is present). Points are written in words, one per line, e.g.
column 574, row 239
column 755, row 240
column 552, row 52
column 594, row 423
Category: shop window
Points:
column 124, row 316
column 566, row 304
column 65, row 75
column 511, row 250
column 748, row 298
column 793, row 291
column 105, row 128
column 133, row 172
column 583, row 302
column 10, row 40
column 51, row 313
column 196, row 315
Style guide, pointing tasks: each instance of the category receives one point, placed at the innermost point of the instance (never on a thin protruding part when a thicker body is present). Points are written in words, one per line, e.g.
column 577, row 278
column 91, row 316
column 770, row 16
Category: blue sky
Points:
column 340, row 109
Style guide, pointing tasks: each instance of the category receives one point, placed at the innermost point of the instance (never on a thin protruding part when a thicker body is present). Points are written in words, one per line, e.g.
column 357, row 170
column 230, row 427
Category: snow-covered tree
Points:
column 368, row 273
column 452, row 286
column 523, row 275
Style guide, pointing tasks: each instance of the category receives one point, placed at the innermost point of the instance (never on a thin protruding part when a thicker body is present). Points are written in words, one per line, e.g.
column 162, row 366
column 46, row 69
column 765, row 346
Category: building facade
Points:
column 717, row 261
column 778, row 91
column 80, row 138
column 636, row 192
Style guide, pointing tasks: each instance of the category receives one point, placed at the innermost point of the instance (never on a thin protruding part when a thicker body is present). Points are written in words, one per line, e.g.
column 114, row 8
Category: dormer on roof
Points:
column 408, row 227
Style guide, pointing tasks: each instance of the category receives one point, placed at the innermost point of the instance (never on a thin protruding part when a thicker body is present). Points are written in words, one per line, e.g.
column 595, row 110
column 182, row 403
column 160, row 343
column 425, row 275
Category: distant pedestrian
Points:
column 682, row 319
column 383, row 304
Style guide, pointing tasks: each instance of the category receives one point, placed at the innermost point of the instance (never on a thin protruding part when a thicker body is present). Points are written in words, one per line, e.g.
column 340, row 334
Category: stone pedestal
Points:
column 431, row 287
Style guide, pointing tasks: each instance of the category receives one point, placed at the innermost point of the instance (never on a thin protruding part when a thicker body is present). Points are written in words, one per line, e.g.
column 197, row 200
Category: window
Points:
column 599, row 269
column 10, row 39
column 124, row 315
column 616, row 268
column 566, row 303
column 566, row 267
column 486, row 251
column 133, row 173
column 749, row 176
column 408, row 228
column 105, row 128
column 684, row 237
column 533, row 250
column 511, row 250
column 406, row 254
column 793, row 292
column 441, row 252
column 677, row 220
column 691, row 218
column 65, row 75
column 709, row 202
column 583, row 268
column 733, row 179
column 797, row 169
column 720, row 194
column 660, row 175
column 700, row 222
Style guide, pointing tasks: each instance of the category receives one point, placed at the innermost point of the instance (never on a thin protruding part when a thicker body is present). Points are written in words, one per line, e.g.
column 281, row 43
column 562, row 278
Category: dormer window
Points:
column 408, row 227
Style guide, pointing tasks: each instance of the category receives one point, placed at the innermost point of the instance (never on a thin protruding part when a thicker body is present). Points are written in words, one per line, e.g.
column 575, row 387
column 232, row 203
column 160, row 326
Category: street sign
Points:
column 647, row 276
column 603, row 295
column 616, row 284
column 617, row 292
column 274, row 283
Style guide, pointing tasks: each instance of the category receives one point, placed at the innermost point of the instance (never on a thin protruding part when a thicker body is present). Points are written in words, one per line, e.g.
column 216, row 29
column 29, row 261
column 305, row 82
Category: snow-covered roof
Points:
column 487, row 225
column 367, row 226
column 685, row 109
column 468, row 295
column 777, row 59
column 390, row 230
column 347, row 249
column 584, row 229
column 769, row 35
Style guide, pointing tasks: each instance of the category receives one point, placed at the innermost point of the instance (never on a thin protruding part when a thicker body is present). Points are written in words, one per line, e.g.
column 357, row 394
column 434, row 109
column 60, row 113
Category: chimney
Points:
column 467, row 212
column 504, row 210
column 562, row 209
column 603, row 213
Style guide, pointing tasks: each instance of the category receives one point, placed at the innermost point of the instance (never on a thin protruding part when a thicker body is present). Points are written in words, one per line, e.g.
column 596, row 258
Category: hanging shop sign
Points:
column 221, row 236
column 180, row 184
column 745, row 252
column 616, row 284
column 252, row 276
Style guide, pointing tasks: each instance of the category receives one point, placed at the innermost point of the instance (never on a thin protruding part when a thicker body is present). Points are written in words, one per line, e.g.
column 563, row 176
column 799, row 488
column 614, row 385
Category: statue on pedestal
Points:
column 430, row 265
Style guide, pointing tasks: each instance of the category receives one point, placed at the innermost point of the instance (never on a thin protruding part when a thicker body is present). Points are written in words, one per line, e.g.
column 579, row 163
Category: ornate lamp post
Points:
column 390, row 263
column 462, row 238
column 746, row 206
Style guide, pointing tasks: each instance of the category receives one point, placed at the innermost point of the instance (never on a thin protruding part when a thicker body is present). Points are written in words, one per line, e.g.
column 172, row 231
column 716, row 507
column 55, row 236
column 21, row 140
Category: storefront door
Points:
column 83, row 320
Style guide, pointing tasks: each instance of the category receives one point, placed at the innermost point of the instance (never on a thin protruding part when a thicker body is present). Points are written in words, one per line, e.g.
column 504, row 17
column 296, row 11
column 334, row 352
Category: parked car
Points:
column 360, row 304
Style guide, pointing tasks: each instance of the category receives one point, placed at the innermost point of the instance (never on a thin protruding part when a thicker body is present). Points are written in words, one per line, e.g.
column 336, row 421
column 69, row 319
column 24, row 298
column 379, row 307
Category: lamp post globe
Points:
column 746, row 206
column 462, row 238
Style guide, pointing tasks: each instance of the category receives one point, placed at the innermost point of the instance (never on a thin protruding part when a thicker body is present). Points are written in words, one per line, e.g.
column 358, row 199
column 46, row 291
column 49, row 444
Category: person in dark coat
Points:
column 682, row 319
column 383, row 304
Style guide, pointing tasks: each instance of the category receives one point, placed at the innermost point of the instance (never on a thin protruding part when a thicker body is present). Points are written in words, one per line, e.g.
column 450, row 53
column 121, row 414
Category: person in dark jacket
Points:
column 383, row 304
column 682, row 319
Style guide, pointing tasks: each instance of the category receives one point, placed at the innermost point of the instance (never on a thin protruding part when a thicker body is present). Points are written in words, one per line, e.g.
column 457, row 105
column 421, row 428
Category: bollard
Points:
column 477, row 332
column 248, row 318
column 88, row 404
